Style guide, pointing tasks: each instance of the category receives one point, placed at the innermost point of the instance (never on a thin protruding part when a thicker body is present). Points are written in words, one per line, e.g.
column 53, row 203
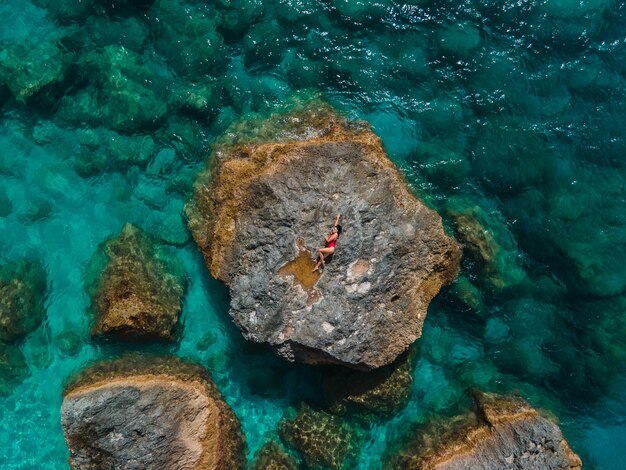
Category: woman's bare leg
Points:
column 323, row 252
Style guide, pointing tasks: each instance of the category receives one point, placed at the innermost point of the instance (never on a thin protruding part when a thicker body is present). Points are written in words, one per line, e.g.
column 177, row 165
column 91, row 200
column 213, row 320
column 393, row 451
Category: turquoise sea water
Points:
column 513, row 109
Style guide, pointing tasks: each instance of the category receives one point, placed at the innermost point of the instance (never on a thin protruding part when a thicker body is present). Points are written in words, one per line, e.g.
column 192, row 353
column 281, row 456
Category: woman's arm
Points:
column 336, row 220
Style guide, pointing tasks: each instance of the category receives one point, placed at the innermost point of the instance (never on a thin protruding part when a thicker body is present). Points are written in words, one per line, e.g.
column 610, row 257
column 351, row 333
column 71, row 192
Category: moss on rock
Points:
column 192, row 48
column 103, row 150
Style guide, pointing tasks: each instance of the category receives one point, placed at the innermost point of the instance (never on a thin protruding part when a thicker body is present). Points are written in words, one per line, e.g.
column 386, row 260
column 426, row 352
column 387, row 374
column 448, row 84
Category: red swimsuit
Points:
column 331, row 243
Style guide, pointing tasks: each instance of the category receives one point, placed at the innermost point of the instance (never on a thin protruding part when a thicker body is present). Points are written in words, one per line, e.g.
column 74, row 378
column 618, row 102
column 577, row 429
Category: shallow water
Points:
column 513, row 109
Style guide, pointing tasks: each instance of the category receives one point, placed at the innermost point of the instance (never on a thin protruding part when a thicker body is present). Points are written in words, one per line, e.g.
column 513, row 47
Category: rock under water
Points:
column 504, row 432
column 381, row 392
column 140, row 413
column 259, row 215
column 322, row 439
column 22, row 298
column 273, row 457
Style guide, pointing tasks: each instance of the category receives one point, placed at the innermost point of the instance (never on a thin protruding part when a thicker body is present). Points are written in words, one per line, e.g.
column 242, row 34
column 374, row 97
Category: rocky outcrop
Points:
column 139, row 294
column 324, row 440
column 504, row 432
column 259, row 216
column 137, row 413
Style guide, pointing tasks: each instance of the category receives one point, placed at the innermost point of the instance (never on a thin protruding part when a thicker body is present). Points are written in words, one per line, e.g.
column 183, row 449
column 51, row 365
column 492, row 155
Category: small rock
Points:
column 139, row 293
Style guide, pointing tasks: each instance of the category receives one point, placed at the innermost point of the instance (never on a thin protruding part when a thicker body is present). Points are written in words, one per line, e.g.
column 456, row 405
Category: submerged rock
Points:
column 22, row 297
column 6, row 206
column 139, row 294
column 383, row 391
column 489, row 240
column 259, row 218
column 504, row 432
column 27, row 68
column 104, row 150
column 149, row 414
column 192, row 48
column 13, row 368
column 129, row 92
column 468, row 294
column 273, row 457
column 324, row 440
column 66, row 11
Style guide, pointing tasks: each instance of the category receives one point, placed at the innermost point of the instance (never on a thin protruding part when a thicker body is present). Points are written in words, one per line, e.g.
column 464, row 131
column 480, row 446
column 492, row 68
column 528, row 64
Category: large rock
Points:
column 260, row 215
column 149, row 415
column 139, row 293
column 505, row 432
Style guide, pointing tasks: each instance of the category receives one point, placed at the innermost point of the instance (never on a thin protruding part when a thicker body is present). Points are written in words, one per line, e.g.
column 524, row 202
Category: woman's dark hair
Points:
column 339, row 229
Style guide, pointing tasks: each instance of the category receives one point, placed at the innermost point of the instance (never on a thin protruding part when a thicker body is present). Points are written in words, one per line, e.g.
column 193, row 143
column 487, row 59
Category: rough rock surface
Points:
column 505, row 432
column 138, row 296
column 160, row 414
column 260, row 216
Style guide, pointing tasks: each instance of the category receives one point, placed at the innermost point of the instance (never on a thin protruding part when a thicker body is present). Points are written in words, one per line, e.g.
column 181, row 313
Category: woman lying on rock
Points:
column 331, row 239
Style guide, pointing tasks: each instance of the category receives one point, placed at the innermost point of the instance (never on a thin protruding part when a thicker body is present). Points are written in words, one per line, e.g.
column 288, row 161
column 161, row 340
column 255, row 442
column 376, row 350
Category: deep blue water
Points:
column 513, row 111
